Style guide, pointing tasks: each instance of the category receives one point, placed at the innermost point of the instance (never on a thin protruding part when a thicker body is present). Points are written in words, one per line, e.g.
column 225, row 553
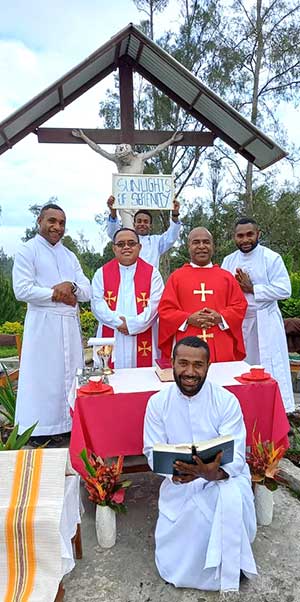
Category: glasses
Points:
column 126, row 243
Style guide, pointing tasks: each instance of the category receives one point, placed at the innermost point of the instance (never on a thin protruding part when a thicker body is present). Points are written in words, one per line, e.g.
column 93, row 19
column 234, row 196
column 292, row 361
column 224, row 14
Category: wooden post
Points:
column 126, row 103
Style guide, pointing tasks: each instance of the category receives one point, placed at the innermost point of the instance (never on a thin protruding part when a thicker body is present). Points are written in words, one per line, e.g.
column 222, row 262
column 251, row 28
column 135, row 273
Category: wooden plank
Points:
column 126, row 102
column 105, row 136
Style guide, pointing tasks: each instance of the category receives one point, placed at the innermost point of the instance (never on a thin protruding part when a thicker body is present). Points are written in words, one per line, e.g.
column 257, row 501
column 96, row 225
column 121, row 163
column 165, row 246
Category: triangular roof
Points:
column 163, row 71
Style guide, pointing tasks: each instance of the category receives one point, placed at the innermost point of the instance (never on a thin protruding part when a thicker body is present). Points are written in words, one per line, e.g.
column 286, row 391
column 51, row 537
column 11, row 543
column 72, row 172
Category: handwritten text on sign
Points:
column 143, row 191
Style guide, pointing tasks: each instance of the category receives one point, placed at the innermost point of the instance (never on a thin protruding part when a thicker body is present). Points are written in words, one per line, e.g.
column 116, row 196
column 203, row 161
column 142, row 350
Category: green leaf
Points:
column 89, row 468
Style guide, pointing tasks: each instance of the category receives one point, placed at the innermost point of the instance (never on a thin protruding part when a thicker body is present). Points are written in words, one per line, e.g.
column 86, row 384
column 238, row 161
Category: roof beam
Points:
column 64, row 135
column 172, row 94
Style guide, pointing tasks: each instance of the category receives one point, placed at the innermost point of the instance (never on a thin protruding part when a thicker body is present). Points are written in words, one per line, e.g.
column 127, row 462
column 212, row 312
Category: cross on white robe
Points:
column 125, row 352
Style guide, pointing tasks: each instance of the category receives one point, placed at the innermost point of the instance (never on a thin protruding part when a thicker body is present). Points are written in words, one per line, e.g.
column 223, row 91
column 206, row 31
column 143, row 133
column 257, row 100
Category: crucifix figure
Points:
column 127, row 161
column 203, row 292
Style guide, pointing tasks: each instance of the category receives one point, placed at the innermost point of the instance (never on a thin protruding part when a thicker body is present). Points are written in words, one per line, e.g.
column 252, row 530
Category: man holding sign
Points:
column 152, row 245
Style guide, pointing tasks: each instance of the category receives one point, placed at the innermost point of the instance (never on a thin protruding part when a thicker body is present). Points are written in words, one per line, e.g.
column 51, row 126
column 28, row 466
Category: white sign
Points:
column 139, row 191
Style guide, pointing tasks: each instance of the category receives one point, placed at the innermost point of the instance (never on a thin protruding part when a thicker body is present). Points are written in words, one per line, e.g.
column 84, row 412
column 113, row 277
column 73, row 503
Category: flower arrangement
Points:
column 103, row 481
column 263, row 461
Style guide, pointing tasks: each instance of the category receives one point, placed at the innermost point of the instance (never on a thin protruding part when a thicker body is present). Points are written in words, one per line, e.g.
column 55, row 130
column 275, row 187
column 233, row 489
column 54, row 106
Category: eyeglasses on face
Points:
column 126, row 243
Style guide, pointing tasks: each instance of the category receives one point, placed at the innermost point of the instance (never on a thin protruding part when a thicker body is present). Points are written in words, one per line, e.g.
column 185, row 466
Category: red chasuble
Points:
column 191, row 289
column 142, row 287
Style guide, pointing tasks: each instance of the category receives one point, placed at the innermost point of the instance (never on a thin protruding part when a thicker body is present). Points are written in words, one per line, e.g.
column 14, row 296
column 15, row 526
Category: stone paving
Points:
column 127, row 573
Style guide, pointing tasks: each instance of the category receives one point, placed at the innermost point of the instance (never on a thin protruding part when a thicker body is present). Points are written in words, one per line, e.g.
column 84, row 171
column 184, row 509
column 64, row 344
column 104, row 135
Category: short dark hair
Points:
column 144, row 212
column 50, row 206
column 124, row 230
column 245, row 220
column 192, row 342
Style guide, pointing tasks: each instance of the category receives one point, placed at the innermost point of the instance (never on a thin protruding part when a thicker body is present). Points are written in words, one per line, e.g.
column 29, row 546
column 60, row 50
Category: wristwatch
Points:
column 74, row 288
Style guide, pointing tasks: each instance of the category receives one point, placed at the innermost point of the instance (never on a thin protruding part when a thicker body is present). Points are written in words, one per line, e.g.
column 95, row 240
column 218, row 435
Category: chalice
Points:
column 104, row 353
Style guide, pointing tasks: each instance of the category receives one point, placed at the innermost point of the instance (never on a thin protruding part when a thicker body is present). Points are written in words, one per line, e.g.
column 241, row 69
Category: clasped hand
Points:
column 190, row 472
column 205, row 318
column 62, row 293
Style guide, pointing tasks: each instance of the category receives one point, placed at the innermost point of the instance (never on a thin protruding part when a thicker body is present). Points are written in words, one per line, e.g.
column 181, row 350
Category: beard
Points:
column 252, row 246
column 195, row 384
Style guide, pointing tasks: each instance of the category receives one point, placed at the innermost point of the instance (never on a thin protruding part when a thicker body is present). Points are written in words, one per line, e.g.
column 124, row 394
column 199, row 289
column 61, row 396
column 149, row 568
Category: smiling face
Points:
column 142, row 224
column 246, row 237
column 52, row 224
column 190, row 368
column 126, row 247
column 201, row 246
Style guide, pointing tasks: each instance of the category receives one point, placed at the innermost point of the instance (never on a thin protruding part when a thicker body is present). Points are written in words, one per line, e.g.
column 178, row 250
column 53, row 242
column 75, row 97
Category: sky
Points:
column 39, row 43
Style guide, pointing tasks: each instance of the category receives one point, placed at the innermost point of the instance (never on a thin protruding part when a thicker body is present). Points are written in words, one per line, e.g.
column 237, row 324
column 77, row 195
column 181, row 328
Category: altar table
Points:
column 110, row 425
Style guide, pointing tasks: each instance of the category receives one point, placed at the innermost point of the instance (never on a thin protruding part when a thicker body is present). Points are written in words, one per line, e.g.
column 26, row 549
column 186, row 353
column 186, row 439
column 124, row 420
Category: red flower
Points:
column 118, row 496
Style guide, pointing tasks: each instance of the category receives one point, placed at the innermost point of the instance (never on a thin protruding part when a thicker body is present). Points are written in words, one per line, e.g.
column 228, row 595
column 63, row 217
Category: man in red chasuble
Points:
column 203, row 300
column 126, row 293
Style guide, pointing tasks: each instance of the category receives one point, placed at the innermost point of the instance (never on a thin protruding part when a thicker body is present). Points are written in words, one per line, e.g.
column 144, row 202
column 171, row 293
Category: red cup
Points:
column 257, row 371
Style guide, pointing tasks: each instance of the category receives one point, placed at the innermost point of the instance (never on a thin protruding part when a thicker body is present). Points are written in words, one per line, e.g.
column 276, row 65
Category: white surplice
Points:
column 52, row 347
column 125, row 352
column 263, row 327
column 204, row 530
column 153, row 245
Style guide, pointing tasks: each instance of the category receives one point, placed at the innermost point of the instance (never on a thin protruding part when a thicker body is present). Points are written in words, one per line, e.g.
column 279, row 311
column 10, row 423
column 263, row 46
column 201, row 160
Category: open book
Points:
column 165, row 454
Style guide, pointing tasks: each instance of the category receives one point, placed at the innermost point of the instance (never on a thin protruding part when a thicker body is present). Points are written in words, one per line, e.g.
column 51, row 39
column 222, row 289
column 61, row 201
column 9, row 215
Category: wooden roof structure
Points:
column 130, row 50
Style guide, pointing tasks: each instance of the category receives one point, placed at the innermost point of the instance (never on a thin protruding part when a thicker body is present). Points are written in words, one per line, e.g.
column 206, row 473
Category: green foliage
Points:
column 12, row 328
column 88, row 324
column 7, row 352
column 10, row 308
column 290, row 308
column 16, row 441
column 8, row 399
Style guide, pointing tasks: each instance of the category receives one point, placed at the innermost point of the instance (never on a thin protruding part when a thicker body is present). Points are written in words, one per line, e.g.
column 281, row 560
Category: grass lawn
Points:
column 7, row 352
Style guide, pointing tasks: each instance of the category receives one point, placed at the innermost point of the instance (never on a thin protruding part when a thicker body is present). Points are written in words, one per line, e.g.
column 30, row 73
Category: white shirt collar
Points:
column 194, row 265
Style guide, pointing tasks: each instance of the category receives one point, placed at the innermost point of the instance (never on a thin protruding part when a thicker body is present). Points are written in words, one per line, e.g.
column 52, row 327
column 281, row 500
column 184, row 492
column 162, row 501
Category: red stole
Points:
column 142, row 288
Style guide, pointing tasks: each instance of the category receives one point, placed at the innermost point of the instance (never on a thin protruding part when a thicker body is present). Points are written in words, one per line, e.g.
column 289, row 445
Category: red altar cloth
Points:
column 110, row 425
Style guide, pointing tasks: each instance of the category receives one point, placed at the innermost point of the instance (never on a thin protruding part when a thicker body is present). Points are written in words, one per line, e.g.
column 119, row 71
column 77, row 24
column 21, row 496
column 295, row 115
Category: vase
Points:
column 106, row 526
column 264, row 504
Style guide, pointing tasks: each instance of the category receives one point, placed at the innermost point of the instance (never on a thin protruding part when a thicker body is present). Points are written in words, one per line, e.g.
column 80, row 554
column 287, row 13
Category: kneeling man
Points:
column 206, row 517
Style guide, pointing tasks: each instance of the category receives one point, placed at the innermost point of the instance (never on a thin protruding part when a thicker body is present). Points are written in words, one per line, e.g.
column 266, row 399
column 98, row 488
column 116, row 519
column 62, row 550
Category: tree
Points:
column 263, row 40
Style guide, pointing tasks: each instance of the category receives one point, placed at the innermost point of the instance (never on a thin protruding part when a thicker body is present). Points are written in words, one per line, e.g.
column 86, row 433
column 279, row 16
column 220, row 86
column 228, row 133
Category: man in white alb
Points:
column 152, row 245
column 206, row 519
column 48, row 277
column 126, row 293
column 264, row 280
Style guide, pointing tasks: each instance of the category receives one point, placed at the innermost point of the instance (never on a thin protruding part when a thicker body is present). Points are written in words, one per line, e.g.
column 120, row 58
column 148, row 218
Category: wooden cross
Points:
column 205, row 336
column 110, row 298
column 203, row 292
column 143, row 299
column 144, row 349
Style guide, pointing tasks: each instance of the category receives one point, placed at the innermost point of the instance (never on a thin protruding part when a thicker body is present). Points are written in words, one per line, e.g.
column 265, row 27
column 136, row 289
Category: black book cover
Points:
column 163, row 460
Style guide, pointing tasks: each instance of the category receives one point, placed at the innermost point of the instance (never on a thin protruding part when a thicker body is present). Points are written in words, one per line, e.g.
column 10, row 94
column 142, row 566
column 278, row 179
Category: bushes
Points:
column 290, row 308
column 88, row 324
column 11, row 328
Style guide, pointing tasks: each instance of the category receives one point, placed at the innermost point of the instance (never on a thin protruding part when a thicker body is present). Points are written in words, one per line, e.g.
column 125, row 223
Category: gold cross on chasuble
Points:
column 110, row 298
column 203, row 292
column 144, row 349
column 143, row 299
column 205, row 336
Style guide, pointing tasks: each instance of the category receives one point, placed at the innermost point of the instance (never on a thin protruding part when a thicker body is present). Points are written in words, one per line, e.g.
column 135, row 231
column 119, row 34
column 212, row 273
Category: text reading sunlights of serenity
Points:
column 140, row 191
